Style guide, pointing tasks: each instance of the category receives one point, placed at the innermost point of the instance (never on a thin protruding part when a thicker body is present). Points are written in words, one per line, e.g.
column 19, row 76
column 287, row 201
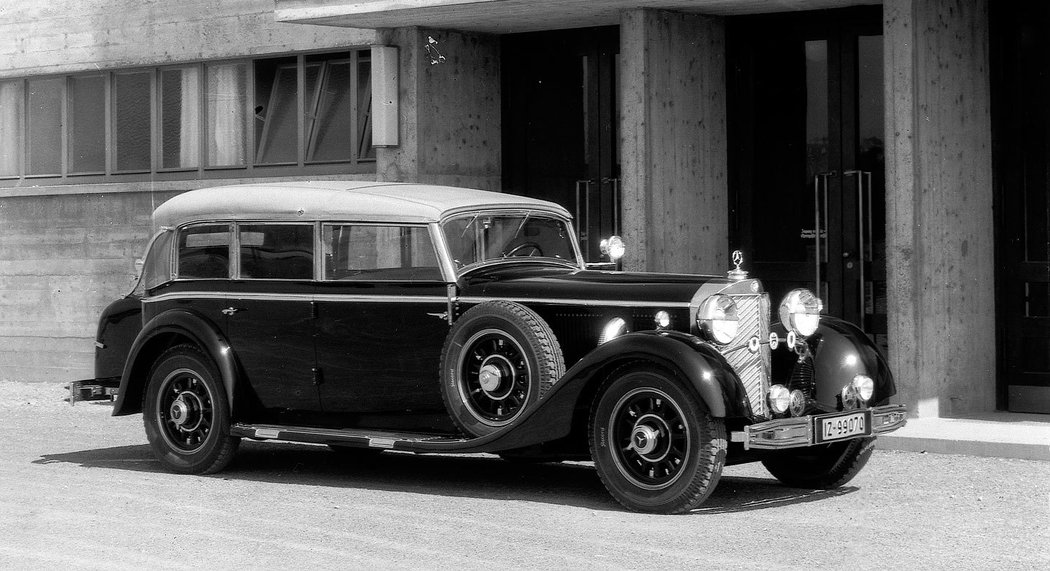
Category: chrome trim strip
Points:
column 797, row 432
column 356, row 298
column 588, row 302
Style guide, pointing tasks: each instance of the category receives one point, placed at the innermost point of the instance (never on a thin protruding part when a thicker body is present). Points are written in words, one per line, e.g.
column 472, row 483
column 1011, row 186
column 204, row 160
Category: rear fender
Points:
column 167, row 330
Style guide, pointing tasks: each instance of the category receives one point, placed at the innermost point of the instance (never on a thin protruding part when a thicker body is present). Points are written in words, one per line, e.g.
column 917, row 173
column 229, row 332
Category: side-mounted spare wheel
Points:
column 187, row 414
column 499, row 358
column 655, row 447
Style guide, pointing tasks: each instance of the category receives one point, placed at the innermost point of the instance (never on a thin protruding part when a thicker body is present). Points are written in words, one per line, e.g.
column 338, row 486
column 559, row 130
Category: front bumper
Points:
column 805, row 430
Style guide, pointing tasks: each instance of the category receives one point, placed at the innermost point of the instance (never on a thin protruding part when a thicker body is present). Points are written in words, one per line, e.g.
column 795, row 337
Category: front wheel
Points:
column 821, row 467
column 655, row 448
column 187, row 414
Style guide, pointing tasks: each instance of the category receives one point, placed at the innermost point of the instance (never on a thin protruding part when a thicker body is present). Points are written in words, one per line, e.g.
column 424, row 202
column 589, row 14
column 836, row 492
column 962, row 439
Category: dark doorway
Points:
column 807, row 176
column 1021, row 155
column 560, row 125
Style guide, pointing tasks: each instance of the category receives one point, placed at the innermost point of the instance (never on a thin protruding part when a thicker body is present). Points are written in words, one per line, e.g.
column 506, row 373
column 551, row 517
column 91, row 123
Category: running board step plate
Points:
column 352, row 437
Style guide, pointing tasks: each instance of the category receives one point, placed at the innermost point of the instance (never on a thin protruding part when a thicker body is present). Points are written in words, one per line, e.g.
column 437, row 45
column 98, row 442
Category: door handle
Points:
column 231, row 310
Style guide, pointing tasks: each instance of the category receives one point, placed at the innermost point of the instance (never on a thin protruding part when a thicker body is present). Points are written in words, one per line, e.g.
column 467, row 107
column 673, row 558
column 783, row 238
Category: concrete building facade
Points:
column 866, row 149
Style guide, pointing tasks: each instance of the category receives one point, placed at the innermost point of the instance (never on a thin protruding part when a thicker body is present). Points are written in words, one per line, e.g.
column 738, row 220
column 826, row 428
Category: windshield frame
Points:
column 530, row 213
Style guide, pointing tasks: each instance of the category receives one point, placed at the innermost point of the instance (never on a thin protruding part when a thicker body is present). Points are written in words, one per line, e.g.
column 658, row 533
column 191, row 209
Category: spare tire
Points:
column 499, row 359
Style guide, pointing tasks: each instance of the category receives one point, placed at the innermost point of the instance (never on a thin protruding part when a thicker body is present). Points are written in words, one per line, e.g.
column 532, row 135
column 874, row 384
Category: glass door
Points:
column 806, row 157
column 560, row 130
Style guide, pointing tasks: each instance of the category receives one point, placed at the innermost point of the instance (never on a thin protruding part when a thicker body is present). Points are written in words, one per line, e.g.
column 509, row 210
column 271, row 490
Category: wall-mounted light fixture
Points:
column 384, row 96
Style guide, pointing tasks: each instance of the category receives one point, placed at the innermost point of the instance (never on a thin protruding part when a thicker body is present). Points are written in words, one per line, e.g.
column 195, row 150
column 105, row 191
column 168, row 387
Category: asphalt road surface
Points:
column 80, row 489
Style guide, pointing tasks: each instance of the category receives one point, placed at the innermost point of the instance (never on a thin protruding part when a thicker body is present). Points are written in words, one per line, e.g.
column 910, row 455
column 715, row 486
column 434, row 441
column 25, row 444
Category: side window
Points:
column 277, row 251
column 204, row 252
column 157, row 267
column 362, row 252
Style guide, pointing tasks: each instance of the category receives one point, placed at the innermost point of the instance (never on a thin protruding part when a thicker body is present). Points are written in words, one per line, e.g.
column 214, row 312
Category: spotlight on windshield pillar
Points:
column 613, row 247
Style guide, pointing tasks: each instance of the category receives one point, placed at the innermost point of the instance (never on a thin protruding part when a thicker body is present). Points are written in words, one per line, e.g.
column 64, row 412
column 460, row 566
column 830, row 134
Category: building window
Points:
column 87, row 124
column 276, row 105
column 226, row 97
column 10, row 127
column 299, row 114
column 180, row 117
column 44, row 126
column 133, row 110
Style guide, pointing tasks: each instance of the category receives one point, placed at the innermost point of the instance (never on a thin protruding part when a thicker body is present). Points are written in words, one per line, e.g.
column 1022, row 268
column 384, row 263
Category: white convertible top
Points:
column 350, row 201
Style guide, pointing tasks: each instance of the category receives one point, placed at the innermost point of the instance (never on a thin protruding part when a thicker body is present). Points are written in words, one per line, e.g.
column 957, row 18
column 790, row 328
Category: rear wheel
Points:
column 655, row 448
column 822, row 467
column 186, row 413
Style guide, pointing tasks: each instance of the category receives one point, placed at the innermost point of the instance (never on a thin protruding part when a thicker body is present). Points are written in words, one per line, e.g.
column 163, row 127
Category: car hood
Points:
column 607, row 287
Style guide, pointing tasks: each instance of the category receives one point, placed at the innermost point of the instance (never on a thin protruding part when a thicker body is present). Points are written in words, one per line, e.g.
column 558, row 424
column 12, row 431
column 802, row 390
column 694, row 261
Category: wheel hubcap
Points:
column 493, row 377
column 651, row 440
column 185, row 410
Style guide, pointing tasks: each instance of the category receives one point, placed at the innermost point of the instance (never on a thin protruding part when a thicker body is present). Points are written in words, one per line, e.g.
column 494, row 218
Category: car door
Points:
column 381, row 320
column 270, row 315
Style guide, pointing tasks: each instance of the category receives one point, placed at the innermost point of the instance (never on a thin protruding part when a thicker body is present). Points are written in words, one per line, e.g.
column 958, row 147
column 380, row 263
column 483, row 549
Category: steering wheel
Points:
column 536, row 250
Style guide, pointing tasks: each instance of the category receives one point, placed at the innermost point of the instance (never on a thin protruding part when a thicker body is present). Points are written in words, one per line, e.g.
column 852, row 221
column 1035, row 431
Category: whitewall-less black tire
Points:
column 186, row 413
column 499, row 359
column 655, row 448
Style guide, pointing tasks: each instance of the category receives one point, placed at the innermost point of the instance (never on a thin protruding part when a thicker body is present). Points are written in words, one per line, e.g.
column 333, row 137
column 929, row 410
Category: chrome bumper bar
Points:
column 802, row 431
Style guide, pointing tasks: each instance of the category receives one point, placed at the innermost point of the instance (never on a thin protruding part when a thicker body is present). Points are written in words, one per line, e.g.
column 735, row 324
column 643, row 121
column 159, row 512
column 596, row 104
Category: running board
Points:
column 407, row 441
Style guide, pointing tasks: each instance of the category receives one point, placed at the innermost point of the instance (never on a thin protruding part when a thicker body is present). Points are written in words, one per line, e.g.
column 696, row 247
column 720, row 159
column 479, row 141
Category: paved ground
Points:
column 79, row 489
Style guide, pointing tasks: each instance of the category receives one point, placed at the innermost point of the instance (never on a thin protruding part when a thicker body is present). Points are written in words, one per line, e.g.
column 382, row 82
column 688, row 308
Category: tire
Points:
column 656, row 449
column 822, row 467
column 186, row 413
column 499, row 359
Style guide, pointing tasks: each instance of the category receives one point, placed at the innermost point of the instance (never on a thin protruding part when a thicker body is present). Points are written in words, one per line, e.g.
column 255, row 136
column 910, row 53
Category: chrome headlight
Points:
column 800, row 312
column 718, row 319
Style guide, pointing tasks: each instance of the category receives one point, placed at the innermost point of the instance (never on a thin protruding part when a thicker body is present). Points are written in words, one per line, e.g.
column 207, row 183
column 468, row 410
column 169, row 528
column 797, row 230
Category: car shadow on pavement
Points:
column 474, row 476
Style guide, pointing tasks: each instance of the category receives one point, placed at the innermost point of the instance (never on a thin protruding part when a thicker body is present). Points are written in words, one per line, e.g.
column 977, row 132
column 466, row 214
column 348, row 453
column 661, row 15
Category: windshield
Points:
column 480, row 237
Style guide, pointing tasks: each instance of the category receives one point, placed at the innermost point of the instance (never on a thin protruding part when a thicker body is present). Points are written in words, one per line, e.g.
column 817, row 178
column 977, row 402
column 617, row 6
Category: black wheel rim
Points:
column 185, row 410
column 494, row 377
column 650, row 438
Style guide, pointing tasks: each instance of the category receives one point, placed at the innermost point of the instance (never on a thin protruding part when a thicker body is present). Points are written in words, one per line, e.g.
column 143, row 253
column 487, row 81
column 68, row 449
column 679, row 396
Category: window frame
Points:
column 428, row 227
column 235, row 261
column 176, row 257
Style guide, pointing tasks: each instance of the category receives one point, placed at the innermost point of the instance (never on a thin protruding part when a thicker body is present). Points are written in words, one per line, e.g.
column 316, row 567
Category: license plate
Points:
column 843, row 426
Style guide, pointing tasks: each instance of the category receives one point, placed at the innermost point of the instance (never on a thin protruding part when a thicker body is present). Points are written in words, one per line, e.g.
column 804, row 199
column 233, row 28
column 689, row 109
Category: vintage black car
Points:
column 434, row 319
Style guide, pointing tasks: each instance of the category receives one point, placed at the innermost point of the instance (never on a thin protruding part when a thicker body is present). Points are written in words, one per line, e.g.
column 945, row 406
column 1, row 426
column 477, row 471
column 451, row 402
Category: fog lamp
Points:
column 779, row 398
column 864, row 387
column 800, row 312
column 718, row 319
column 662, row 319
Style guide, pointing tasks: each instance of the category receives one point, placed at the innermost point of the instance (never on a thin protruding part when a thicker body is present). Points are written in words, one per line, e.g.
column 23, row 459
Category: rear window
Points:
column 277, row 251
column 204, row 252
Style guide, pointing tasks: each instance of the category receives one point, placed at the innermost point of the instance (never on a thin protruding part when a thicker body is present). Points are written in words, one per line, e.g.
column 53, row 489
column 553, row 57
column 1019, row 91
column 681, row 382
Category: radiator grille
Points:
column 752, row 368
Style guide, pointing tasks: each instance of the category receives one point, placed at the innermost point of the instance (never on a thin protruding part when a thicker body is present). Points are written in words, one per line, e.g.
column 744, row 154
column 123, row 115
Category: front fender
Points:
column 840, row 352
column 709, row 375
column 710, row 378
column 163, row 331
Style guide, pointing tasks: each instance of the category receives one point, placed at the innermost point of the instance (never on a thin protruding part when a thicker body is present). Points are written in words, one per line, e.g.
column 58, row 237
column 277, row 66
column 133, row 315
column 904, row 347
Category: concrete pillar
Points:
column 675, row 205
column 449, row 111
column 940, row 238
